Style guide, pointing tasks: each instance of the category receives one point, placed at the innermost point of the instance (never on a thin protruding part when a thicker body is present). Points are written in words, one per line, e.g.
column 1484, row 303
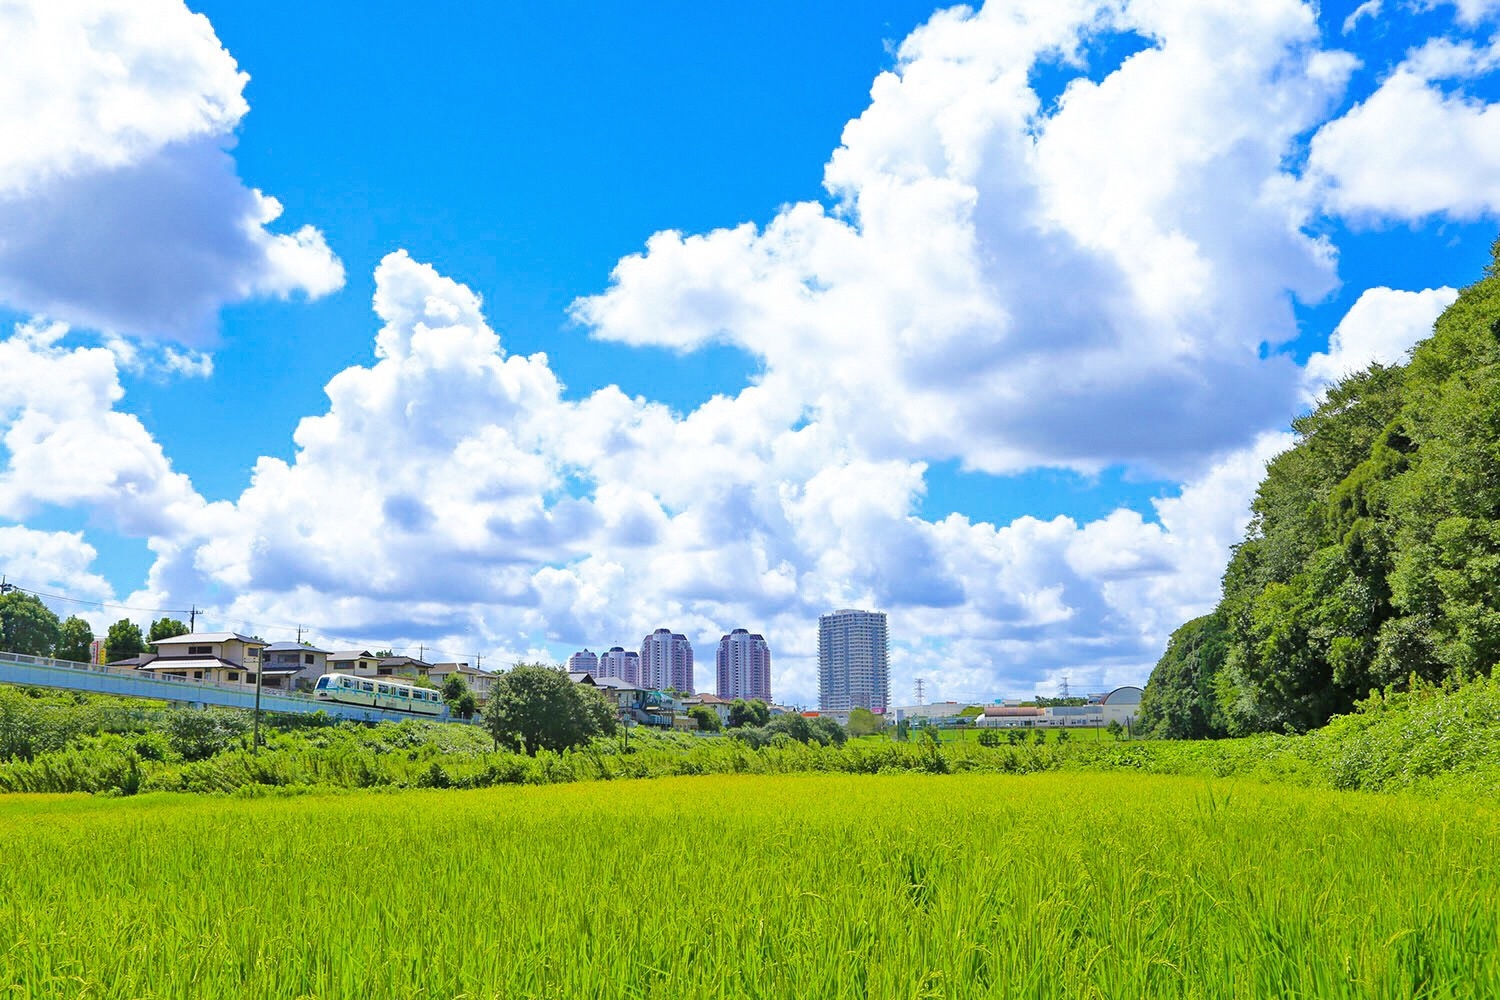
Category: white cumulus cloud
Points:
column 120, row 207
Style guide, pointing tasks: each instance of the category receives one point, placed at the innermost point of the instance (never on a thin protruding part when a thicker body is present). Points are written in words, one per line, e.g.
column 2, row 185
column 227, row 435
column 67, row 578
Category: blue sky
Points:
column 1010, row 371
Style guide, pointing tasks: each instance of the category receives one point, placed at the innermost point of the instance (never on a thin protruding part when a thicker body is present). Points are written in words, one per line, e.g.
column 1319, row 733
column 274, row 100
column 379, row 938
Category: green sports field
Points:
column 1110, row 885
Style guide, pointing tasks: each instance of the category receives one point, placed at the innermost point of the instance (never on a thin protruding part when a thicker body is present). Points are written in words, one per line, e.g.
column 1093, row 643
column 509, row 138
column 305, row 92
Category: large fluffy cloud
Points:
column 1014, row 284
column 1098, row 275
column 119, row 207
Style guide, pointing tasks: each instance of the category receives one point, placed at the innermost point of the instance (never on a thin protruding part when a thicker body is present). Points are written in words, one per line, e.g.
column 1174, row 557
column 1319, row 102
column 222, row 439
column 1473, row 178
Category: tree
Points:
column 708, row 720
column 863, row 722
column 27, row 625
column 123, row 641
column 465, row 705
column 1181, row 701
column 1115, row 729
column 748, row 713
column 166, row 628
column 454, row 687
column 535, row 707
column 73, row 640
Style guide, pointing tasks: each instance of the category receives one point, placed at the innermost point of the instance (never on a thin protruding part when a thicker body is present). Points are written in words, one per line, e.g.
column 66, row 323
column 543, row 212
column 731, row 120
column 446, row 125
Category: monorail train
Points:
column 379, row 692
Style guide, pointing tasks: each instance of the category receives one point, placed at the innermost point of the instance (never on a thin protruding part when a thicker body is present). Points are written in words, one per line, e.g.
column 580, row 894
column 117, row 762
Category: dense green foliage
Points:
column 707, row 719
column 822, row 886
column 123, row 641
column 748, row 713
column 166, row 628
column 1428, row 740
column 535, row 707
column 1180, row 702
column 73, row 640
column 1373, row 555
column 27, row 625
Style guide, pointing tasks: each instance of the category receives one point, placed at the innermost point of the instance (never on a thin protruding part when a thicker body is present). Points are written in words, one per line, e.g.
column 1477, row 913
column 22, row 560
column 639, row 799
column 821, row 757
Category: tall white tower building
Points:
column 667, row 661
column 854, row 668
column 744, row 664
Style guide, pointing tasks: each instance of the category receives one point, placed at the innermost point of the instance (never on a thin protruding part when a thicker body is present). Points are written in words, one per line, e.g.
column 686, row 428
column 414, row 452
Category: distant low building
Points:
column 1121, row 705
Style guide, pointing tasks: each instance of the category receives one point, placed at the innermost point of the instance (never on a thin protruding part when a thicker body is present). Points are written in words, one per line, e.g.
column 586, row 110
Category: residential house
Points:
column 221, row 657
column 409, row 666
column 720, row 706
column 358, row 662
column 311, row 662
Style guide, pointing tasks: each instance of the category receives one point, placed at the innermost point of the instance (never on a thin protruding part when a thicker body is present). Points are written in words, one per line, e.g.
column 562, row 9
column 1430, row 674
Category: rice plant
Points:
column 806, row 886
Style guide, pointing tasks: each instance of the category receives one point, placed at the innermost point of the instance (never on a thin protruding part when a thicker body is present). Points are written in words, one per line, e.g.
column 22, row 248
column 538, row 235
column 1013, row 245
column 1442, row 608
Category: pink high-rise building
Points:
column 621, row 664
column 667, row 661
column 583, row 661
column 744, row 666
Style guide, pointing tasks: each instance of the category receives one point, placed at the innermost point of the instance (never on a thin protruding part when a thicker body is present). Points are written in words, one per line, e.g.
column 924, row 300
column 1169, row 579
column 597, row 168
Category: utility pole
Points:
column 260, row 676
column 300, row 630
column 6, row 588
column 193, row 614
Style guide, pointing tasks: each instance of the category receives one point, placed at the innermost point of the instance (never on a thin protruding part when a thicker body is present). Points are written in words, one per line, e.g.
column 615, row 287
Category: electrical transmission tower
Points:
column 1065, row 686
column 921, row 690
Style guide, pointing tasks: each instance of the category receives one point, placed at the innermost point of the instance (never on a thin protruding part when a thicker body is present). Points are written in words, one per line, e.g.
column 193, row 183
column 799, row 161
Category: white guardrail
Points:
column 42, row 671
column 138, row 675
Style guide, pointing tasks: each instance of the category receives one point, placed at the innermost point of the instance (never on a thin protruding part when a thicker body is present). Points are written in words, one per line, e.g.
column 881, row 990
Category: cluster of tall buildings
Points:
column 854, row 668
column 665, row 661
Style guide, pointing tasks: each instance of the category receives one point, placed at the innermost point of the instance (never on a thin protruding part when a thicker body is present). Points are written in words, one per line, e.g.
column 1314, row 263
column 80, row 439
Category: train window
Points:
column 367, row 686
column 322, row 683
column 383, row 688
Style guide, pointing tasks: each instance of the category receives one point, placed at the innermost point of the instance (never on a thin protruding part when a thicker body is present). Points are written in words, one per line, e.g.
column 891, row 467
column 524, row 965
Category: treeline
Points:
column 1373, row 554
column 28, row 626
column 1430, row 739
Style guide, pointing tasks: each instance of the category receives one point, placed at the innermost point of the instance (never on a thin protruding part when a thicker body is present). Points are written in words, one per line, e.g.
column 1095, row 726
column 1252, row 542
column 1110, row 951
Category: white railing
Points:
column 144, row 675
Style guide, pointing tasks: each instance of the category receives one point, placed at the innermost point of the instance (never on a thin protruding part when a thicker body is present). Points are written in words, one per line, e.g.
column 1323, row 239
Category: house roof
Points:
column 581, row 677
column 706, row 699
column 201, row 637
column 289, row 647
column 191, row 663
column 133, row 661
column 352, row 654
column 461, row 668
column 388, row 660
column 616, row 684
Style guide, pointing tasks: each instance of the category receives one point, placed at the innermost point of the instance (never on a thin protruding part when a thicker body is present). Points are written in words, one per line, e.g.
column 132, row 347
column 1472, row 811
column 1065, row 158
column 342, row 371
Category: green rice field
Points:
column 804, row 886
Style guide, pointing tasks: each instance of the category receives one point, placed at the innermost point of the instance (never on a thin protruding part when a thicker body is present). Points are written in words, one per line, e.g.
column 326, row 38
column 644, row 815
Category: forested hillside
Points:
column 1373, row 554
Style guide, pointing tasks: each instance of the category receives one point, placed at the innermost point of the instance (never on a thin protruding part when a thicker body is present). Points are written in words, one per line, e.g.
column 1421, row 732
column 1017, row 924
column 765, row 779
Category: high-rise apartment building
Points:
column 617, row 662
column 744, row 666
column 853, row 661
column 583, row 661
column 667, row 661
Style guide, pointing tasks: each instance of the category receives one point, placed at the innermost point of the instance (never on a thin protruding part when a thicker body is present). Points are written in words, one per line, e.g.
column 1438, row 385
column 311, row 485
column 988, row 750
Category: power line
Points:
column 97, row 604
column 197, row 612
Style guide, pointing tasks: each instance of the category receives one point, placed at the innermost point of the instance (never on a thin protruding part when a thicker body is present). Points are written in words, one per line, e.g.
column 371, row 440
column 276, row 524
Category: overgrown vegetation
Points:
column 1373, row 555
column 1429, row 739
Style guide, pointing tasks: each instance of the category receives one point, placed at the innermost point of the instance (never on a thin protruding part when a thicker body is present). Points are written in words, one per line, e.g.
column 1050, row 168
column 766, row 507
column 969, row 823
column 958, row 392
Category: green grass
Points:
column 811, row 886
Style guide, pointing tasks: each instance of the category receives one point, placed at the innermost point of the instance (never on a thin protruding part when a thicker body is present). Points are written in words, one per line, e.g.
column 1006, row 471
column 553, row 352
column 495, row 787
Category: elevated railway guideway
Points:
column 38, row 671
